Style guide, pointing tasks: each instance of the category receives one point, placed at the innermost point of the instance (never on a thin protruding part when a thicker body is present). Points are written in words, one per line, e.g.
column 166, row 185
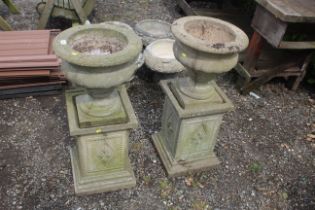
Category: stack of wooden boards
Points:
column 28, row 65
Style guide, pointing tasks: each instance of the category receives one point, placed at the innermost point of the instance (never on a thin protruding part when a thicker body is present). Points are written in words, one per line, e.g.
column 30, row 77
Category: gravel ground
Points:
column 267, row 163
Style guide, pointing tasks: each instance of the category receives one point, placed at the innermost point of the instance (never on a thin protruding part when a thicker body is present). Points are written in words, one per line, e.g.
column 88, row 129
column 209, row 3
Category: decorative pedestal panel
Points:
column 188, row 135
column 99, row 158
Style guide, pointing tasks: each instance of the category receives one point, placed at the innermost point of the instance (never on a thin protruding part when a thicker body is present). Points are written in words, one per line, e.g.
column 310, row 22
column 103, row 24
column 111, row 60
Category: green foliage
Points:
column 147, row 180
column 200, row 205
column 166, row 188
column 255, row 167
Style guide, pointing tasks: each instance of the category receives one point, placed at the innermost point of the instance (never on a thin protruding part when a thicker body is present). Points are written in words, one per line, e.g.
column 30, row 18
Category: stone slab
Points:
column 189, row 103
column 86, row 121
column 198, row 110
column 73, row 121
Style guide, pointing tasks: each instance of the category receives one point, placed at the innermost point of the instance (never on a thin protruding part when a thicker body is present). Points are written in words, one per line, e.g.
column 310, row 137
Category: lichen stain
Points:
column 218, row 45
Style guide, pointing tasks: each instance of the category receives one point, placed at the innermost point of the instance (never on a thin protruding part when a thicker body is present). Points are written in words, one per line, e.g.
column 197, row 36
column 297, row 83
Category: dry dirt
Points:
column 267, row 163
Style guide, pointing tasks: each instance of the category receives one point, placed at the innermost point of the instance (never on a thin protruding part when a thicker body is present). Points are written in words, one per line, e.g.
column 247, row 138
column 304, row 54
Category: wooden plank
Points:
column 297, row 45
column 218, row 13
column 37, row 93
column 271, row 73
column 53, row 34
column 22, row 52
column 21, row 41
column 25, row 46
column 24, row 43
column 5, row 87
column 288, row 72
column 253, row 52
column 29, row 58
column 185, row 7
column 242, row 71
column 79, row 10
column 12, row 34
column 304, row 67
column 4, row 25
column 28, row 64
column 268, row 26
column 291, row 10
column 52, row 68
column 44, row 17
column 13, row 9
column 40, row 73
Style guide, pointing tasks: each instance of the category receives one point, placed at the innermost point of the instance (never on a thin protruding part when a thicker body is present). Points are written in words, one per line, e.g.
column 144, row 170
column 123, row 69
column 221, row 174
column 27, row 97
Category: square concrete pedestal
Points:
column 188, row 135
column 100, row 161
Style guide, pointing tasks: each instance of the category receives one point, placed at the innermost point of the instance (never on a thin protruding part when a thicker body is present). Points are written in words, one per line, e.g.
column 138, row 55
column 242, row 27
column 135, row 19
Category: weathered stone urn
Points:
column 194, row 104
column 100, row 58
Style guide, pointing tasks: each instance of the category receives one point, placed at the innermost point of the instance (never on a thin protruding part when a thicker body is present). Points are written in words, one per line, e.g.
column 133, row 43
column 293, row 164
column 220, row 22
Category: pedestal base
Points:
column 188, row 135
column 99, row 159
column 89, row 184
column 176, row 168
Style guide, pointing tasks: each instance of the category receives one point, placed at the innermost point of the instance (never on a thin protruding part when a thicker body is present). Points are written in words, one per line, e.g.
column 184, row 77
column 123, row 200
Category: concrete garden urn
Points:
column 194, row 104
column 99, row 59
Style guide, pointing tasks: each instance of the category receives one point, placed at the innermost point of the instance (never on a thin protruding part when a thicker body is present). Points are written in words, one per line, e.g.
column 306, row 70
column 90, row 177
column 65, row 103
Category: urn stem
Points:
column 100, row 93
column 202, row 79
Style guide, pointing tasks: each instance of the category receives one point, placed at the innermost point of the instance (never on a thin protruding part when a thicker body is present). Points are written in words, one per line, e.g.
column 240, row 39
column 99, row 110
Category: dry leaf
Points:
column 285, row 146
column 189, row 181
column 312, row 101
column 200, row 185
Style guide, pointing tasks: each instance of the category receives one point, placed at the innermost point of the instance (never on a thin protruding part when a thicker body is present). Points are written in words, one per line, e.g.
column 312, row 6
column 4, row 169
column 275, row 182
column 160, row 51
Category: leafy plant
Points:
column 166, row 188
column 200, row 205
column 255, row 167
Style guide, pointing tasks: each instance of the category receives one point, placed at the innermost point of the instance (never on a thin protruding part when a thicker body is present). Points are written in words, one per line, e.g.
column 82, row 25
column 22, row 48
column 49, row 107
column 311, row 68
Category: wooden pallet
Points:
column 28, row 64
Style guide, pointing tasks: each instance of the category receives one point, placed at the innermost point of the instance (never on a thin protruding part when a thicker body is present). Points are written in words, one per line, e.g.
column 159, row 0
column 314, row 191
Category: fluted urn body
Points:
column 206, row 47
column 99, row 58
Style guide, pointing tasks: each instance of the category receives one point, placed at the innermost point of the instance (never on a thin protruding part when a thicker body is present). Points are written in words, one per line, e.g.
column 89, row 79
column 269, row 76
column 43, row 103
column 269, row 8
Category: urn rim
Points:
column 142, row 31
column 159, row 63
column 237, row 44
column 129, row 53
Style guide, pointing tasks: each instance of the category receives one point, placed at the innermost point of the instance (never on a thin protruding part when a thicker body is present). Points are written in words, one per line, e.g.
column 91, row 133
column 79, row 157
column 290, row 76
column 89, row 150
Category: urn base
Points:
column 100, row 161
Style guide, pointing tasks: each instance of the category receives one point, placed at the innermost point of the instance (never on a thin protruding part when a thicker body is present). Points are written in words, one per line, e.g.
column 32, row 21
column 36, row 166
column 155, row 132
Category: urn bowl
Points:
column 207, row 44
column 99, row 56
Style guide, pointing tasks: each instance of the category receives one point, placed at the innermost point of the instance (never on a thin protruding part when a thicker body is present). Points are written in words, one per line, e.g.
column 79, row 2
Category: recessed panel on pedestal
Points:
column 105, row 152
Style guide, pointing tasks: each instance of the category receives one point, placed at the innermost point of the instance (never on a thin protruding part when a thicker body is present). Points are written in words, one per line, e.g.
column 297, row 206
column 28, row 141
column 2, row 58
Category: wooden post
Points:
column 49, row 6
column 79, row 11
column 5, row 25
column 13, row 9
column 253, row 52
column 303, row 72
